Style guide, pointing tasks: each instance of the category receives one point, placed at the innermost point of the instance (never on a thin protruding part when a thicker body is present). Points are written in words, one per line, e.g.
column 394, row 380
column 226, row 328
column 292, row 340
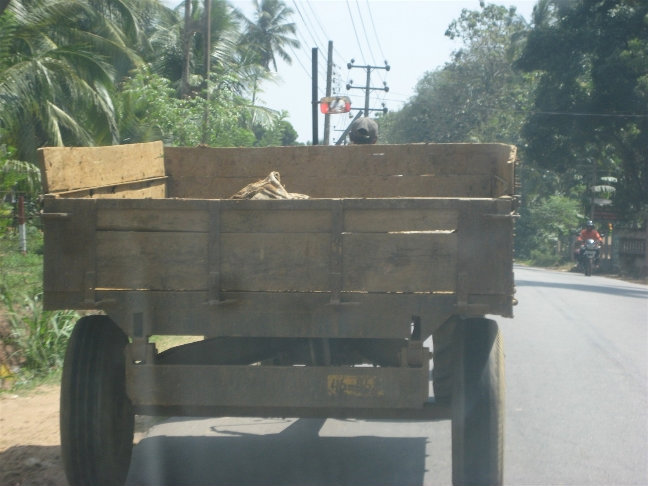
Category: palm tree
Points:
column 270, row 32
column 179, row 44
column 57, row 74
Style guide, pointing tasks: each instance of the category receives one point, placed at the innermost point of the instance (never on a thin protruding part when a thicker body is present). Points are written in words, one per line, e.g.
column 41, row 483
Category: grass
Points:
column 33, row 341
column 21, row 274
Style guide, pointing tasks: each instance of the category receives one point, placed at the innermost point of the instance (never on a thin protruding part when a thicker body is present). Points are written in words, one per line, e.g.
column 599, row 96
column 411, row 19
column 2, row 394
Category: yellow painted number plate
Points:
column 354, row 385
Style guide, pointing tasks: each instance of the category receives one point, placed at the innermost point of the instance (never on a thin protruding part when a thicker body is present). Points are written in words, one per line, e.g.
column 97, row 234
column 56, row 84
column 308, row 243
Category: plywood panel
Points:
column 72, row 168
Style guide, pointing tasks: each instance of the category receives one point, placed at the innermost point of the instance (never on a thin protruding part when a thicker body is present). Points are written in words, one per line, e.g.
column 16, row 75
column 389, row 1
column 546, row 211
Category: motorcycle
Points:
column 588, row 256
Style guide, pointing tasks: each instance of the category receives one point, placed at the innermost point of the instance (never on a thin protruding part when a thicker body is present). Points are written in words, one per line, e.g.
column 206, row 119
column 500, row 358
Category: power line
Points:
column 364, row 29
column 355, row 31
column 377, row 37
column 308, row 25
column 375, row 31
column 317, row 20
column 595, row 115
column 300, row 63
column 306, row 52
column 310, row 32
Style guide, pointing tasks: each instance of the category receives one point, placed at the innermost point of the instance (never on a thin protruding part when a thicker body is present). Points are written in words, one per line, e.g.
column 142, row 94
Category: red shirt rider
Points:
column 589, row 233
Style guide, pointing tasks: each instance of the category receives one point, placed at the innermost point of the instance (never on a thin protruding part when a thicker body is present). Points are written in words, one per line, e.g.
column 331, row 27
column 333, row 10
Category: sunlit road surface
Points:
column 577, row 410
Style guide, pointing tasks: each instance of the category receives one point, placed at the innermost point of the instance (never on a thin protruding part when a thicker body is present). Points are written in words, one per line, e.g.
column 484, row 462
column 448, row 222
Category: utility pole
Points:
column 329, row 76
column 315, row 100
column 368, row 88
column 207, row 68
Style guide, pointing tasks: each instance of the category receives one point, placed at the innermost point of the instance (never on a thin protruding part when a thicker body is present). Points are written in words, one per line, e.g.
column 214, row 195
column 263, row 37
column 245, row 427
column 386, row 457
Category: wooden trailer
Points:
column 315, row 307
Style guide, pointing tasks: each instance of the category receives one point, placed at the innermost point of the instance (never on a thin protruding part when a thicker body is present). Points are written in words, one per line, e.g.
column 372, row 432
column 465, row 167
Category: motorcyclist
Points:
column 587, row 233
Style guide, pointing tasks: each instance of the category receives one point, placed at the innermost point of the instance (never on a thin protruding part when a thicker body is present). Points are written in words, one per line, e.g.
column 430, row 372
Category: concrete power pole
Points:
column 315, row 101
column 368, row 88
column 329, row 76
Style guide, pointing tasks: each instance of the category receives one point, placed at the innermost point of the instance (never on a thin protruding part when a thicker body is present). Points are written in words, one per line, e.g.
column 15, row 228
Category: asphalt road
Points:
column 577, row 411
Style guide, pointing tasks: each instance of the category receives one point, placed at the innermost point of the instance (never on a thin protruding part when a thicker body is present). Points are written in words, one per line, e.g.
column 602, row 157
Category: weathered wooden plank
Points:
column 148, row 189
column 388, row 220
column 282, row 314
column 376, row 262
column 274, row 261
column 277, row 386
column 485, row 250
column 342, row 187
column 71, row 168
column 319, row 171
column 276, row 220
column 323, row 161
column 69, row 250
column 153, row 219
column 151, row 260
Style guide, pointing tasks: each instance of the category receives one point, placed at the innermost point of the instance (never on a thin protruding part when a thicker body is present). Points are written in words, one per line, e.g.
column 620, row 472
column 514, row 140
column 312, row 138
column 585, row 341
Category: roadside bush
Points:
column 543, row 258
column 39, row 337
column 545, row 228
column 32, row 341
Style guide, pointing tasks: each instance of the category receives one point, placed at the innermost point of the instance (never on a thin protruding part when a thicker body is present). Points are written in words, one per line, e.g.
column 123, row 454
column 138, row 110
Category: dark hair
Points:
column 363, row 131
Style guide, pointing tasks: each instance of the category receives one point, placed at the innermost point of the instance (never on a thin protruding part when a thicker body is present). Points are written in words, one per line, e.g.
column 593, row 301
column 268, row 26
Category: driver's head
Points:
column 363, row 131
column 589, row 225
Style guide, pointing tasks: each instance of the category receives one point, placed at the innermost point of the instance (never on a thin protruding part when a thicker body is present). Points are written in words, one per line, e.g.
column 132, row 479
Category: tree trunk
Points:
column 186, row 49
column 3, row 5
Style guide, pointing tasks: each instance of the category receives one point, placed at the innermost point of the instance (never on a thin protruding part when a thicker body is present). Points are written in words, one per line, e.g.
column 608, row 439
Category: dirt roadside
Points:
column 30, row 443
column 30, row 453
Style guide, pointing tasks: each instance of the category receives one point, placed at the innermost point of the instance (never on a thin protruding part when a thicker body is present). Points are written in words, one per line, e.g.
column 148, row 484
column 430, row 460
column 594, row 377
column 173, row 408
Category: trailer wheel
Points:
column 96, row 415
column 443, row 361
column 478, row 404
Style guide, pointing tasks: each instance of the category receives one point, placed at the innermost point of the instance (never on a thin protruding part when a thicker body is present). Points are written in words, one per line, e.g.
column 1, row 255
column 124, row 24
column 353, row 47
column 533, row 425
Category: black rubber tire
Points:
column 588, row 267
column 443, row 357
column 478, row 404
column 96, row 415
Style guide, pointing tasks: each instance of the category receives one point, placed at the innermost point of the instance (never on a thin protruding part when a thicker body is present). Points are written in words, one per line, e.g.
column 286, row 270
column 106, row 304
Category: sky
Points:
column 408, row 34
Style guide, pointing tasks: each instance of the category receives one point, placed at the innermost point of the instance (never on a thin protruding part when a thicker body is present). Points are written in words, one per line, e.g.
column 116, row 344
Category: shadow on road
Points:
column 636, row 293
column 297, row 456
column 33, row 465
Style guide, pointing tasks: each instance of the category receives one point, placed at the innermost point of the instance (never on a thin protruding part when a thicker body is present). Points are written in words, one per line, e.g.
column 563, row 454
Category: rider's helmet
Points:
column 589, row 225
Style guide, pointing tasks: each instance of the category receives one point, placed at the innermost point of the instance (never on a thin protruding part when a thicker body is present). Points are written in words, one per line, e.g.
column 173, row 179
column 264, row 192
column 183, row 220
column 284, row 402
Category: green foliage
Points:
column 269, row 33
column 280, row 133
column 545, row 228
column 149, row 110
column 39, row 337
column 478, row 97
column 57, row 69
column 590, row 116
column 21, row 274
column 17, row 176
column 570, row 90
